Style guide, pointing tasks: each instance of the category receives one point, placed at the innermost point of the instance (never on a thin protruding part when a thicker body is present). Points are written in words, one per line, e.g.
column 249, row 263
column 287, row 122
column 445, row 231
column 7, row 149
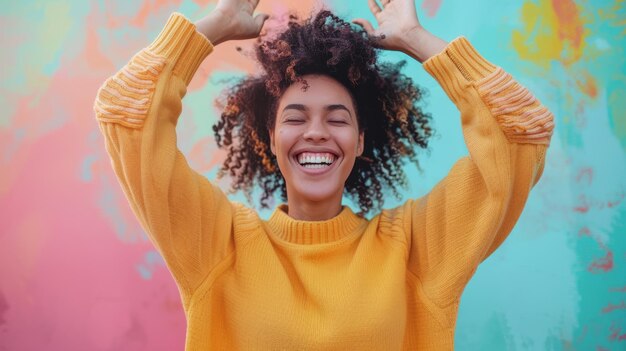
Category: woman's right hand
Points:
column 232, row 20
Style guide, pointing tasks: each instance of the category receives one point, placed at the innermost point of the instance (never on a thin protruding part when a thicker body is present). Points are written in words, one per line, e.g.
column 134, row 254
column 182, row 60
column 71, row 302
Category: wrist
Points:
column 214, row 27
column 421, row 45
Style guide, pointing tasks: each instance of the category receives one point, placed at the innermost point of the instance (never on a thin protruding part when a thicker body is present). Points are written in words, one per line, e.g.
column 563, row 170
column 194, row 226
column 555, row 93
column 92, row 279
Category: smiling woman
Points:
column 323, row 117
column 316, row 140
column 323, row 61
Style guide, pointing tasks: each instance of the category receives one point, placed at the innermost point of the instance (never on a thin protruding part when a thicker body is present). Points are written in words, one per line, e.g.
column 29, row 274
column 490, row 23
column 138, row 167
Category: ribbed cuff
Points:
column 181, row 44
column 459, row 60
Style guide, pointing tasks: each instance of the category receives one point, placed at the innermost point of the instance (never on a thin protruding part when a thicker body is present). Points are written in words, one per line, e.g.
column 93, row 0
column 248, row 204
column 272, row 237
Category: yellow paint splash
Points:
column 553, row 30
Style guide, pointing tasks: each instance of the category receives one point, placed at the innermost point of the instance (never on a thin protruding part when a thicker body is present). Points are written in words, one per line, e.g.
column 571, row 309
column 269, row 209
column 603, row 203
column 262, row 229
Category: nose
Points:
column 316, row 131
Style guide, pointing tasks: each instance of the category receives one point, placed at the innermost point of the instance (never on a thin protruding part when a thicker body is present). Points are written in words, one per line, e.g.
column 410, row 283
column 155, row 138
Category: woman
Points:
column 316, row 276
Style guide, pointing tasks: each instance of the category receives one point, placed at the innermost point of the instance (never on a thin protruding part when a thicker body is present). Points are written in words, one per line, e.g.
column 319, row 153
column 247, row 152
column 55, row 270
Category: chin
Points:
column 317, row 193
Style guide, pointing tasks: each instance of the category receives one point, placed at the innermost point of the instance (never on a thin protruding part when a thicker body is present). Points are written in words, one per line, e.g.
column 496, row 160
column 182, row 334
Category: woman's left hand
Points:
column 399, row 29
column 397, row 19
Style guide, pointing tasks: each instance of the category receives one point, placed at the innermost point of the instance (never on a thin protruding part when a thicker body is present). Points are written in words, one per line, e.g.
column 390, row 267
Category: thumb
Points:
column 260, row 20
column 366, row 25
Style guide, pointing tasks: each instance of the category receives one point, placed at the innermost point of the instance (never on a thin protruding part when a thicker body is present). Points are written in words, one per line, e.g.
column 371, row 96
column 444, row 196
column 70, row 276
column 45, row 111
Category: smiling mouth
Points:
column 316, row 160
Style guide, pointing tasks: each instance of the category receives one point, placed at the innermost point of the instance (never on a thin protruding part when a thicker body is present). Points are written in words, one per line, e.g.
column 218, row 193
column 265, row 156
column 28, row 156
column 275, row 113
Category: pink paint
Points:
column 616, row 334
column 73, row 271
column 584, row 204
column 611, row 307
column 431, row 7
column 205, row 155
column 583, row 207
column 611, row 204
column 585, row 174
column 584, row 231
column 68, row 280
column 622, row 289
column 152, row 6
column 604, row 264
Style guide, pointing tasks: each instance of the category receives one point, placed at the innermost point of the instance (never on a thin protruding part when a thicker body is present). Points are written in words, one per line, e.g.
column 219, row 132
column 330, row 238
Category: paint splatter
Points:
column 152, row 261
column 553, row 30
column 603, row 264
column 622, row 289
column 616, row 334
column 587, row 84
column 585, row 203
column 611, row 307
column 431, row 7
column 585, row 174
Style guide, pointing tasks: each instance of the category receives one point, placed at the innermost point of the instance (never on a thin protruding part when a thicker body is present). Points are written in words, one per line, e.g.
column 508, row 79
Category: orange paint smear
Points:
column 570, row 23
column 150, row 6
column 588, row 85
column 553, row 30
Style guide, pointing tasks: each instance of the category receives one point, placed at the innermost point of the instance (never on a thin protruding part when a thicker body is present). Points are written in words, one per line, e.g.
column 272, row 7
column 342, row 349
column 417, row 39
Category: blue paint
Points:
column 85, row 169
column 152, row 261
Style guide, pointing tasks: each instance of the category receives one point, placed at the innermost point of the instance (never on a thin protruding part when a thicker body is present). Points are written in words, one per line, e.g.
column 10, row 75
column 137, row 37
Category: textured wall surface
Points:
column 78, row 273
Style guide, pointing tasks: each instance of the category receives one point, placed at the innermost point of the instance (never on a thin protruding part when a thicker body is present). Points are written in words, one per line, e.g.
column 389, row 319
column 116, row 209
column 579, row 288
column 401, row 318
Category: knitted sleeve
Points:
column 187, row 218
column 469, row 213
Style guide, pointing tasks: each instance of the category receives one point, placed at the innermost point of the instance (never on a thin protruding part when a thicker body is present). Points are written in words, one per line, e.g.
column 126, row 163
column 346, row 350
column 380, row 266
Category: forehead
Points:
column 321, row 91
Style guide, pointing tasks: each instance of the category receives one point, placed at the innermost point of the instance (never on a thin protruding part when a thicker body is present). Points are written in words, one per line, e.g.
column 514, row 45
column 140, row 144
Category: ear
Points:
column 359, row 147
column 272, row 147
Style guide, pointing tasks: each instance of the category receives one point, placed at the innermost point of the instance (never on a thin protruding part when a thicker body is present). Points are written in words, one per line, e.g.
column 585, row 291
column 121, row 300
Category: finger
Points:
column 260, row 20
column 373, row 5
column 365, row 24
column 385, row 2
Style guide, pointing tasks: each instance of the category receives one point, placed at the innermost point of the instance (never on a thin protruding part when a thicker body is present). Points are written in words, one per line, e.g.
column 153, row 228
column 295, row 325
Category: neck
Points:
column 313, row 210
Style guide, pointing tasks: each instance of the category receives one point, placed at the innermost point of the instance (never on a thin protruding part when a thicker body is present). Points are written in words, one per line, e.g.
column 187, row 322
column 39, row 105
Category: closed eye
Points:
column 293, row 120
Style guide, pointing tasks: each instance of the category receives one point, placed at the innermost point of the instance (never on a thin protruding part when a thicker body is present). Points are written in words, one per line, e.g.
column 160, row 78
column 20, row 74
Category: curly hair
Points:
column 386, row 105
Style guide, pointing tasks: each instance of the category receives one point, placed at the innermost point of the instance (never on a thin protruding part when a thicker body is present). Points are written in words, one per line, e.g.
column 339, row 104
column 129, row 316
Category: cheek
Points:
column 283, row 141
column 350, row 143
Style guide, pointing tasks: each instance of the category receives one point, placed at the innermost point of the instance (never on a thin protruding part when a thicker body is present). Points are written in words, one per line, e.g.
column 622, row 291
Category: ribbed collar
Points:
column 313, row 232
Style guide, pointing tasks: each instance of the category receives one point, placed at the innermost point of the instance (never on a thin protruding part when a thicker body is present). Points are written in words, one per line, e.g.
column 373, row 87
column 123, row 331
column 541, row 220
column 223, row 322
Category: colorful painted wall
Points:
column 76, row 269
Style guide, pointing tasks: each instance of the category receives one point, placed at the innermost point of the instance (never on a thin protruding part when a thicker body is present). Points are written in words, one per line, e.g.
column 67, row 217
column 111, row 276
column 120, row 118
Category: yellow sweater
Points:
column 390, row 283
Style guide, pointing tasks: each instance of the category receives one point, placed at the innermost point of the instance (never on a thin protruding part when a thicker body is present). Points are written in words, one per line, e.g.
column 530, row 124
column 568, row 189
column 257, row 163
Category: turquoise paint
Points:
column 50, row 68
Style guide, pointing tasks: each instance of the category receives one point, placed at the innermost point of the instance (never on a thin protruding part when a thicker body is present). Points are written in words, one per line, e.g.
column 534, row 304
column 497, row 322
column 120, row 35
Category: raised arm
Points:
column 187, row 218
column 507, row 131
column 470, row 212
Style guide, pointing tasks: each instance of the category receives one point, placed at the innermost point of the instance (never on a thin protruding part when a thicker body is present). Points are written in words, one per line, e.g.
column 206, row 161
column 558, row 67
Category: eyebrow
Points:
column 333, row 107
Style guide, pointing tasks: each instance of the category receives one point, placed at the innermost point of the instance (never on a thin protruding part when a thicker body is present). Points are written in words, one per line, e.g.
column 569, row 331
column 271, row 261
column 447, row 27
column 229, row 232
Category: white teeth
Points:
column 309, row 159
column 313, row 165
